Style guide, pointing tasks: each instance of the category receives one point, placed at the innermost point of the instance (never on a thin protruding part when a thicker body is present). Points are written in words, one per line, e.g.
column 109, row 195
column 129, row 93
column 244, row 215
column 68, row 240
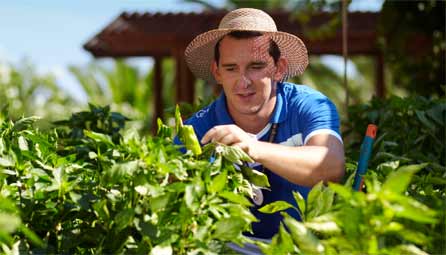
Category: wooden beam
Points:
column 184, row 79
column 178, row 90
column 188, row 82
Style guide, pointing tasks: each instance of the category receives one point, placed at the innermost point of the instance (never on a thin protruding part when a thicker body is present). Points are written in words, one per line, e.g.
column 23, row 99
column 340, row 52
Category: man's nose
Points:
column 243, row 81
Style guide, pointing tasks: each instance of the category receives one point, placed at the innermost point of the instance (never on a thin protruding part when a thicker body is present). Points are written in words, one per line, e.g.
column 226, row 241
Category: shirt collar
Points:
column 279, row 114
column 281, row 109
column 223, row 116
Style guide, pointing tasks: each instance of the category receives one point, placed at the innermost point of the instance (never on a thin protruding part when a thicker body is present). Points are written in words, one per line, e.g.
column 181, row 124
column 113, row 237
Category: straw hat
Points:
column 200, row 52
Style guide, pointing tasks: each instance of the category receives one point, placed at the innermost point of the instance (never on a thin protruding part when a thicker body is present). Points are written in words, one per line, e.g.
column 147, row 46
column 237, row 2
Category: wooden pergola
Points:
column 167, row 35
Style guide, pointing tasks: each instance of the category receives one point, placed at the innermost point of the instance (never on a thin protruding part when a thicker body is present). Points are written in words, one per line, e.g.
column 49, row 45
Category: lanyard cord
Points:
column 271, row 137
column 273, row 133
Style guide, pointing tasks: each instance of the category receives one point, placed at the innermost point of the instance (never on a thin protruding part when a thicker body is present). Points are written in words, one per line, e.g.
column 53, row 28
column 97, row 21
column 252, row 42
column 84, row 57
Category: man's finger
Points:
column 209, row 135
column 228, row 139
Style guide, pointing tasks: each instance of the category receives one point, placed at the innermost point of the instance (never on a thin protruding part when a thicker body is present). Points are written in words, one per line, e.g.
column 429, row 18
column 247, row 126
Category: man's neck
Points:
column 251, row 123
column 255, row 122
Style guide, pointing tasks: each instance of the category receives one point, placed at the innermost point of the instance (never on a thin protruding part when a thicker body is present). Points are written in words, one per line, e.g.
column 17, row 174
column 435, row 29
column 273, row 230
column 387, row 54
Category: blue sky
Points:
column 51, row 33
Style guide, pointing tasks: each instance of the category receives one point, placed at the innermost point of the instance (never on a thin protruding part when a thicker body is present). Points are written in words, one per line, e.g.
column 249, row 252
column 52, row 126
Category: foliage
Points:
column 26, row 92
column 410, row 131
column 413, row 40
column 123, row 87
column 321, row 77
column 128, row 195
column 382, row 221
column 87, row 187
column 403, row 209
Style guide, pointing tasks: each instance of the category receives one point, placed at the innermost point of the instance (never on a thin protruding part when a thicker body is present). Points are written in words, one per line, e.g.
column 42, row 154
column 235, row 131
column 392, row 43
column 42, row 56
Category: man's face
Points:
column 248, row 73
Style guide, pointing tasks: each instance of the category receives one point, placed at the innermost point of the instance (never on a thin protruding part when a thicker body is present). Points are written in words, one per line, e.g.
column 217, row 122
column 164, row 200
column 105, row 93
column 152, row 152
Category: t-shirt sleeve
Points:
column 318, row 115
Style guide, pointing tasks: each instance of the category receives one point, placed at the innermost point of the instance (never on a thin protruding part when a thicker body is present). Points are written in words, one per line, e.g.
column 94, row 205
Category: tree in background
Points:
column 122, row 86
column 25, row 92
column 406, row 26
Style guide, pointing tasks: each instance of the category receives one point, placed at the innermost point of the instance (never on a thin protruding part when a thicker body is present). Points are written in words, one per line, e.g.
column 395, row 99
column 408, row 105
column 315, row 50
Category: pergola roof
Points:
column 148, row 34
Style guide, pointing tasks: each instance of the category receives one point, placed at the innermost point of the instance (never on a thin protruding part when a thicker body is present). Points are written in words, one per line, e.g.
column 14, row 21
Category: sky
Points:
column 50, row 34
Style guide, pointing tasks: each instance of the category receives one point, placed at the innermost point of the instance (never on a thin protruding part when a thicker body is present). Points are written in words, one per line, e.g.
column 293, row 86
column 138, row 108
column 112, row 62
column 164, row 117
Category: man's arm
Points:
column 322, row 158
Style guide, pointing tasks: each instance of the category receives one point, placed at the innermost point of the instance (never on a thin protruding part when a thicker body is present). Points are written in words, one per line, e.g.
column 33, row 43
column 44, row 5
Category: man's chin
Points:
column 249, row 110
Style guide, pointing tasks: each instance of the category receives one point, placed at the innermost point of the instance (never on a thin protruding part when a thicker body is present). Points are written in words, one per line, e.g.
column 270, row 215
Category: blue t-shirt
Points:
column 300, row 113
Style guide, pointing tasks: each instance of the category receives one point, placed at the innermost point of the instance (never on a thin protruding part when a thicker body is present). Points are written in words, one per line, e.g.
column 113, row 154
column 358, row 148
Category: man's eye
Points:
column 229, row 69
column 257, row 67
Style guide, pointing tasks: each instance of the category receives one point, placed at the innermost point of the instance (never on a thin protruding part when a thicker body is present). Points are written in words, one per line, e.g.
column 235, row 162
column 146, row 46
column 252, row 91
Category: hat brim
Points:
column 200, row 52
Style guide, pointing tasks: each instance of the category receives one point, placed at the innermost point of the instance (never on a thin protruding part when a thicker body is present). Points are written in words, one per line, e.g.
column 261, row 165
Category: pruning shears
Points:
column 366, row 151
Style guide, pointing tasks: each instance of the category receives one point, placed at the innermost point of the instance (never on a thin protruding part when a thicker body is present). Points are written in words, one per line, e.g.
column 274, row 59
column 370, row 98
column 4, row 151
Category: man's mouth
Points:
column 246, row 95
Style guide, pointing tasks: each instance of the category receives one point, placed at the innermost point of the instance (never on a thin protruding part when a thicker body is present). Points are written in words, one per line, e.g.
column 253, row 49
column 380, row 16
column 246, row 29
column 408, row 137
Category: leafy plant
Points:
column 125, row 194
column 383, row 221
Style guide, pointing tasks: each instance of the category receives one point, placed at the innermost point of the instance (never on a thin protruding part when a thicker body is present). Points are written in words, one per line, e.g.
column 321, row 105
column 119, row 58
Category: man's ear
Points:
column 215, row 72
column 282, row 67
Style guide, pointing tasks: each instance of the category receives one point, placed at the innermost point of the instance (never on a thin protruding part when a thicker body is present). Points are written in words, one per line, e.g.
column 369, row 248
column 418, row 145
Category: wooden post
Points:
column 158, row 95
column 184, row 79
column 345, row 51
column 380, row 88
column 178, row 90
column 188, row 82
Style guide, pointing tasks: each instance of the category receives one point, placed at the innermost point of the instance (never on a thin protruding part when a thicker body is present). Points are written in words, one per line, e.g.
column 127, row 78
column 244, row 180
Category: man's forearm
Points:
column 303, row 165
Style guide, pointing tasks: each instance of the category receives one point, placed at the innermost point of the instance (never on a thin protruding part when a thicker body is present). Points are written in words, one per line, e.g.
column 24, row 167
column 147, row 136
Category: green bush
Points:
column 83, row 188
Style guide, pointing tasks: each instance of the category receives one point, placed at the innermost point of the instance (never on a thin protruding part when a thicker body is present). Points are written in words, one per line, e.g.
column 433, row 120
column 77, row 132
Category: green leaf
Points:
column 24, row 123
column 344, row 192
column 319, row 201
column 327, row 199
column 300, row 201
column 241, row 211
column 413, row 236
column 118, row 172
column 6, row 161
column 163, row 130
column 276, row 207
column 178, row 120
column 423, row 119
column 23, row 144
column 33, row 237
column 234, row 154
column 9, row 222
column 324, row 224
column 189, row 196
column 409, row 208
column 189, row 138
column 399, row 180
column 281, row 243
column 218, row 183
column 160, row 202
column 302, row 237
column 228, row 229
column 101, row 210
column 124, row 218
column 235, row 198
column 406, row 249
column 255, row 177
column 98, row 137
column 162, row 249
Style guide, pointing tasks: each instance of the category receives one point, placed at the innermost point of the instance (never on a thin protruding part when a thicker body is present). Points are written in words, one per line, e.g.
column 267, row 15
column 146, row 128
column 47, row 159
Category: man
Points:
column 291, row 131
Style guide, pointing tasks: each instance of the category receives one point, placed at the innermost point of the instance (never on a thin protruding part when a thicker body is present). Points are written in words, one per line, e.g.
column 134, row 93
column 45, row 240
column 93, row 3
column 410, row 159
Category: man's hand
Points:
column 229, row 135
column 321, row 158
